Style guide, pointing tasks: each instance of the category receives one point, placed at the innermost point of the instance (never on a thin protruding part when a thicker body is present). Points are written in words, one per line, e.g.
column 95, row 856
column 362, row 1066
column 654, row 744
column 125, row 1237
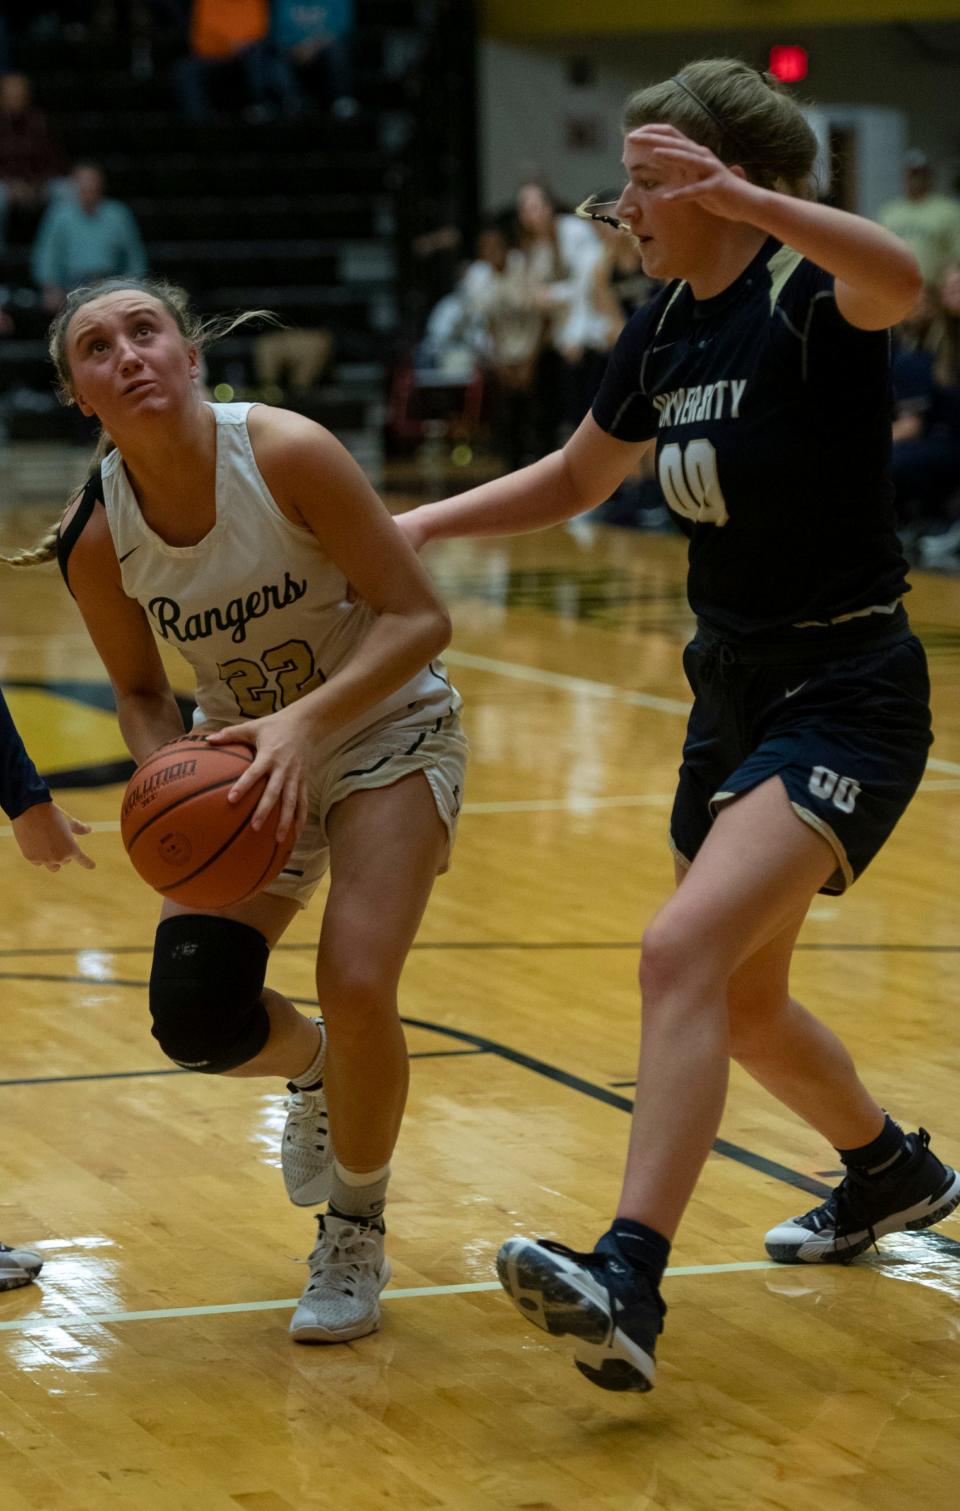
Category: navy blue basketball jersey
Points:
column 20, row 786
column 772, row 416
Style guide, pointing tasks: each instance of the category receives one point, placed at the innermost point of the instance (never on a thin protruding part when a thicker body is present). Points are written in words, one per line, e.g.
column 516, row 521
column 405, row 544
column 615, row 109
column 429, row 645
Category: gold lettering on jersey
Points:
column 704, row 401
column 233, row 616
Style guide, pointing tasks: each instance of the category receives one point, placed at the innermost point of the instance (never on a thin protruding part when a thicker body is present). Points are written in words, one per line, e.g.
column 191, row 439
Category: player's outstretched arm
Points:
column 589, row 468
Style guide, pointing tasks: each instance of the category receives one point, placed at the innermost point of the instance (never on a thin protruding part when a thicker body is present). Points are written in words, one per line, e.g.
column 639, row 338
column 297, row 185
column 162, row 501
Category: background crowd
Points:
column 547, row 294
column 510, row 343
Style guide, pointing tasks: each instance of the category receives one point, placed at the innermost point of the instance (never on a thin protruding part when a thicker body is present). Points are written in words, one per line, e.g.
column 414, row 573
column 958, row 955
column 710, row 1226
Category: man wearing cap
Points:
column 929, row 223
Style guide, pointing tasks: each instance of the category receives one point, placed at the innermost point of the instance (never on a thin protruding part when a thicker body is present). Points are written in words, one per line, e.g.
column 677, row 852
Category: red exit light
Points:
column 789, row 64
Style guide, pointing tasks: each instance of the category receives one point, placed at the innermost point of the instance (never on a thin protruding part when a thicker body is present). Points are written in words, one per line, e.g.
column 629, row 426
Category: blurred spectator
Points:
column 925, row 458
column 84, row 237
column 562, row 254
column 317, row 39
column 452, row 337
column 928, row 222
column 227, row 34
column 29, row 159
column 501, row 299
column 291, row 360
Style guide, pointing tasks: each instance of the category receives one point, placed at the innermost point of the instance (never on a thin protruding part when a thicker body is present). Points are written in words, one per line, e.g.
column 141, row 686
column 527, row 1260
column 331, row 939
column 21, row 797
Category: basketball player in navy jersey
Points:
column 760, row 374
column 230, row 532
column 47, row 837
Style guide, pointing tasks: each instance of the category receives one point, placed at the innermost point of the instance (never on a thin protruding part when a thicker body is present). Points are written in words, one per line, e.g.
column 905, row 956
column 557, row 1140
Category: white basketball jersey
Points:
column 255, row 607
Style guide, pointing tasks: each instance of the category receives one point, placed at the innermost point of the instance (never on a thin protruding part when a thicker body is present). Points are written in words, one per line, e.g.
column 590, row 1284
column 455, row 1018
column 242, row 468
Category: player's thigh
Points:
column 760, row 985
column 755, row 873
column 387, row 845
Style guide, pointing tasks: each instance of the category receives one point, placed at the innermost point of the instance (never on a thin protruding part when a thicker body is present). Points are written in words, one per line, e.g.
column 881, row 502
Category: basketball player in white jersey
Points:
column 231, row 531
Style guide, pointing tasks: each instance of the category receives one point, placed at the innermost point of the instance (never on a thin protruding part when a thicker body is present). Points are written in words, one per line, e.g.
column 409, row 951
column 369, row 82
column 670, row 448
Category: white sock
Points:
column 313, row 1075
column 359, row 1193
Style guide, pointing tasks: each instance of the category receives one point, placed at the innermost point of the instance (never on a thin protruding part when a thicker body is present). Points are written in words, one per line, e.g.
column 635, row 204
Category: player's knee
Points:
column 206, row 987
column 355, row 995
column 676, row 953
column 664, row 956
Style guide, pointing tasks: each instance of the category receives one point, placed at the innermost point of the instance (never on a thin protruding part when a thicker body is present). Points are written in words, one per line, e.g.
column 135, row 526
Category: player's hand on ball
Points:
column 281, row 743
column 693, row 172
column 46, row 836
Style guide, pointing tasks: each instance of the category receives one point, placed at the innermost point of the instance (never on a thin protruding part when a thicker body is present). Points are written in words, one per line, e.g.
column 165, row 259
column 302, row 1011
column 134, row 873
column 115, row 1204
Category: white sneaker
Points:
column 348, row 1270
column 18, row 1267
column 306, row 1152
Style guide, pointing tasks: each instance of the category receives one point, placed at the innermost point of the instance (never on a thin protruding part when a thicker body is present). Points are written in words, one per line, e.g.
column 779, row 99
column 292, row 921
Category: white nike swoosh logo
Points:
column 789, row 692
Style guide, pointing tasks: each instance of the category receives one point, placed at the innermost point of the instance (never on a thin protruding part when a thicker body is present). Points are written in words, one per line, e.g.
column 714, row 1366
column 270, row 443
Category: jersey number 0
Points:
column 688, row 477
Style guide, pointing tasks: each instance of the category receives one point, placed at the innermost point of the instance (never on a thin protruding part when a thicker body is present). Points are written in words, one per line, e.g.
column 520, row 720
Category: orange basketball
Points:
column 183, row 836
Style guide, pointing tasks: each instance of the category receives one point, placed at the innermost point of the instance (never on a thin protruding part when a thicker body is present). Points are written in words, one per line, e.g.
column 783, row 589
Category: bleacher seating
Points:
column 298, row 216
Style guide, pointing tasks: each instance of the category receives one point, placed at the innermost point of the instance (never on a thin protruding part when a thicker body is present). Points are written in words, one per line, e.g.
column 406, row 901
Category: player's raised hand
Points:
column 693, row 172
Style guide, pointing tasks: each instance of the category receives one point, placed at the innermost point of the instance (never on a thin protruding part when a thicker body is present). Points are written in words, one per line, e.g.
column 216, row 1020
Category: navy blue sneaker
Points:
column 613, row 1312
column 917, row 1193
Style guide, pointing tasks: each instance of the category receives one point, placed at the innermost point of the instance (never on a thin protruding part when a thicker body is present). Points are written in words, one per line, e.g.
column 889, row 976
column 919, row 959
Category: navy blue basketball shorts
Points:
column 848, row 738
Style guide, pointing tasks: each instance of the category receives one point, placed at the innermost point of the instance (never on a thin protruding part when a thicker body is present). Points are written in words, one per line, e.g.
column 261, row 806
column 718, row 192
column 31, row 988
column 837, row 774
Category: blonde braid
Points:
column 35, row 556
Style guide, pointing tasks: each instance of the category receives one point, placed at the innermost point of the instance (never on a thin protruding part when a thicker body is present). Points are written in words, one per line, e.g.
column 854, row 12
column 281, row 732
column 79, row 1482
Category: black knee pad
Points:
column 205, row 992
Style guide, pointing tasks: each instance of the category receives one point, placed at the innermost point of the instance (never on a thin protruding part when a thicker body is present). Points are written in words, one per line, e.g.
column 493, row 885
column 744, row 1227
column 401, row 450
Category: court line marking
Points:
column 584, row 685
column 576, row 804
column 608, row 690
column 176, row 1070
column 934, row 763
column 159, row 1314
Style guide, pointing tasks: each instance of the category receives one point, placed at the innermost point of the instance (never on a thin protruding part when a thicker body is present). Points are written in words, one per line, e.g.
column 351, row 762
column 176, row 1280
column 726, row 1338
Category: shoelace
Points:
column 299, row 1109
column 347, row 1249
column 849, row 1199
column 849, row 1216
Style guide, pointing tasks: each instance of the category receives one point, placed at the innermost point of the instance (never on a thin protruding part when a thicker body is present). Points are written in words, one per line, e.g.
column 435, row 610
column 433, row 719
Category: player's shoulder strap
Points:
column 781, row 267
column 69, row 534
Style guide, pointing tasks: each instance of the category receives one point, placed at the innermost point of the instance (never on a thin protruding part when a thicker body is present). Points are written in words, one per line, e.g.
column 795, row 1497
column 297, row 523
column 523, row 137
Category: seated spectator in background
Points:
column 84, row 237
column 29, row 158
column 929, row 223
column 562, row 254
column 925, row 459
column 316, row 39
column 234, row 33
column 501, row 301
column 291, row 361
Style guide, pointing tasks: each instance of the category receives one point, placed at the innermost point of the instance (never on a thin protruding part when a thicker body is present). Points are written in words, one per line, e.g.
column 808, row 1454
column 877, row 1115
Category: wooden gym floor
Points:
column 151, row 1368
